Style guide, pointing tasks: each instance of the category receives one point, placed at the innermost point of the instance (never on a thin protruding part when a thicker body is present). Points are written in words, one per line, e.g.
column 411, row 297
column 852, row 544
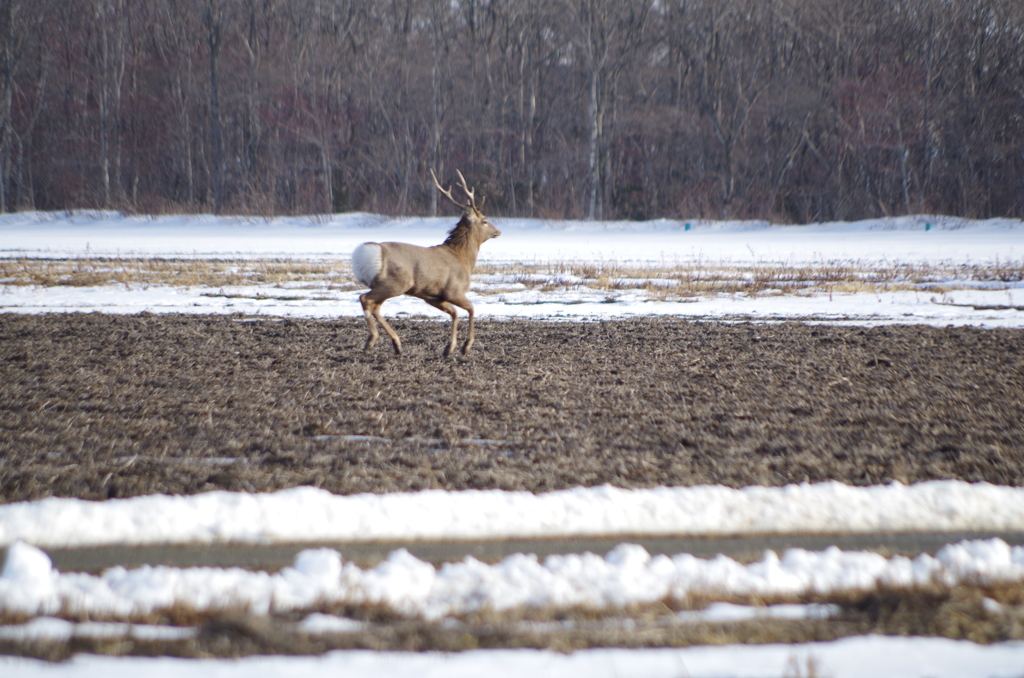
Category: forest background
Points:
column 790, row 110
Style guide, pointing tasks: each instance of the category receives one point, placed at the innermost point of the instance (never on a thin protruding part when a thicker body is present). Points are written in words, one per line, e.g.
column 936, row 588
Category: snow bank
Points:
column 858, row 657
column 628, row 574
column 663, row 241
column 307, row 514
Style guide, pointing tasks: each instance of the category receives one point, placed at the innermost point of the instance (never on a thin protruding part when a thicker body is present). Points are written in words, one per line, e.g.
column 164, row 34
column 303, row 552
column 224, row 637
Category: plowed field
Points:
column 97, row 406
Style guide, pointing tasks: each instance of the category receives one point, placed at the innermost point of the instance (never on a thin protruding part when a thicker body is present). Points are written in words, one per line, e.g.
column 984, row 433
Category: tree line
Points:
column 790, row 110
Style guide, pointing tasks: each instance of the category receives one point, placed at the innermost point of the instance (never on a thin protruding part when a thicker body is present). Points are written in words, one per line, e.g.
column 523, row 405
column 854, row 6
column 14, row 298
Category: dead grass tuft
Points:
column 140, row 272
column 666, row 281
column 981, row 614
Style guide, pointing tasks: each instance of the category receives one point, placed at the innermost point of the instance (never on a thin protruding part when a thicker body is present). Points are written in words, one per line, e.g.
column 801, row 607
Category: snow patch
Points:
column 858, row 657
column 307, row 514
column 986, row 256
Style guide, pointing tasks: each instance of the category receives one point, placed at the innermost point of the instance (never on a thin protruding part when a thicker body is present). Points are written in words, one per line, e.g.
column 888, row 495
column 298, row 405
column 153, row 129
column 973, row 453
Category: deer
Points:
column 438, row 275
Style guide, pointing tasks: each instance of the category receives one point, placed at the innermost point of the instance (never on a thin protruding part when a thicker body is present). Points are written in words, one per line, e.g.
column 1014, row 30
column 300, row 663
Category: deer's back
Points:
column 434, row 272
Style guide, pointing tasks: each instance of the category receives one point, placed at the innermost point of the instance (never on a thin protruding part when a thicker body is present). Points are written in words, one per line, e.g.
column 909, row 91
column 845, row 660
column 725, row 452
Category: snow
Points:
column 971, row 264
column 329, row 623
column 729, row 612
column 866, row 309
column 956, row 248
column 858, row 657
column 54, row 629
column 894, row 240
column 308, row 514
column 627, row 575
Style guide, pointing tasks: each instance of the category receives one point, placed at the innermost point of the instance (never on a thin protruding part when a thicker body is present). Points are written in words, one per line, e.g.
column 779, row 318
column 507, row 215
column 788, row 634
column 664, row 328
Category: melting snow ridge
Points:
column 628, row 574
column 308, row 514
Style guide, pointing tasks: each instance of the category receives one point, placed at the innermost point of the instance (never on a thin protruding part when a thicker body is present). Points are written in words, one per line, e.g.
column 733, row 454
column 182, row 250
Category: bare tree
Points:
column 731, row 83
column 216, row 20
column 788, row 109
column 607, row 34
column 20, row 26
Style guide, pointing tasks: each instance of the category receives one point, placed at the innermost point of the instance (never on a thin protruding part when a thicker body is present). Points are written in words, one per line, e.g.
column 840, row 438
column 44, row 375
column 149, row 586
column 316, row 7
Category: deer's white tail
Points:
column 367, row 261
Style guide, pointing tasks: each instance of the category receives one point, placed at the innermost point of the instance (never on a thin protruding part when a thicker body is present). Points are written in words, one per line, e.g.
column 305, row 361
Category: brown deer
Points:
column 438, row 275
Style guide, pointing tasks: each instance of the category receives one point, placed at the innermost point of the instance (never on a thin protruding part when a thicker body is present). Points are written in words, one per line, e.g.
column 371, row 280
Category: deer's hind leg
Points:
column 371, row 309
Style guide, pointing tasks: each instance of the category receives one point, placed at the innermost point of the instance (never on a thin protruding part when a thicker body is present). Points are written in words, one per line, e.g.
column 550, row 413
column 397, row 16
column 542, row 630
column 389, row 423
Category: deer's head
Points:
column 473, row 219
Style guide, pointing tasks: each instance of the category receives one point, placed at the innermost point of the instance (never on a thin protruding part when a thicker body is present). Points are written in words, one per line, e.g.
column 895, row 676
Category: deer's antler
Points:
column 470, row 205
column 470, row 192
column 448, row 193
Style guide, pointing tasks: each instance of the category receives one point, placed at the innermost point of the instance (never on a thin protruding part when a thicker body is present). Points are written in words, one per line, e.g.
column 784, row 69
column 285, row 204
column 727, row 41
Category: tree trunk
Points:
column 214, row 36
column 593, row 167
column 7, row 74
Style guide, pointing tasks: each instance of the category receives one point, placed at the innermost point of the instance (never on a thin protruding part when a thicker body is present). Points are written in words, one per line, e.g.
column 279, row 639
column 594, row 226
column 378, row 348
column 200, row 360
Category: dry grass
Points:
column 982, row 614
column 668, row 281
column 688, row 281
column 178, row 272
column 709, row 279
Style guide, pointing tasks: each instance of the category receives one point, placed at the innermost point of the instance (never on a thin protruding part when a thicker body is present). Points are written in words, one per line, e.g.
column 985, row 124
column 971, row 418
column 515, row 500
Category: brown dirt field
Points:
column 98, row 406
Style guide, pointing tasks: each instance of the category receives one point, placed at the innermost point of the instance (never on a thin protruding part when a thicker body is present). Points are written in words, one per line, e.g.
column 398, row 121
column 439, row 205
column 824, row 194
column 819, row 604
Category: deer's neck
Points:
column 464, row 245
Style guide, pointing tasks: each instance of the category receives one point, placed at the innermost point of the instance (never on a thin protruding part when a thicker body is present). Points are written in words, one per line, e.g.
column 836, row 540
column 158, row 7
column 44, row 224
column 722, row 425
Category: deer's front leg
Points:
column 450, row 310
column 471, row 337
column 465, row 304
